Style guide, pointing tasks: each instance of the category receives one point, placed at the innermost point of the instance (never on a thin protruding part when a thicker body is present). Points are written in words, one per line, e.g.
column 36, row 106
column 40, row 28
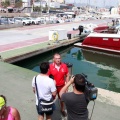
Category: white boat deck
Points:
column 97, row 48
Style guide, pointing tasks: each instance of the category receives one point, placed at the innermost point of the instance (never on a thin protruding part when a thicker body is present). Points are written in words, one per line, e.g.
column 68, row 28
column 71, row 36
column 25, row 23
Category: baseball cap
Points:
column 2, row 102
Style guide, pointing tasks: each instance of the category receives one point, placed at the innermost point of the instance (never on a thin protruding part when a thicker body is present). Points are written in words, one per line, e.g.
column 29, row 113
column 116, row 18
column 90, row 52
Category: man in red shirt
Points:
column 61, row 75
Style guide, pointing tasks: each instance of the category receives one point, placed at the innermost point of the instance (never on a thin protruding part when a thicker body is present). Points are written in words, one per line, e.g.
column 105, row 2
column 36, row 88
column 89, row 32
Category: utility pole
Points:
column 49, row 9
column 89, row 2
column 40, row 7
column 104, row 3
column 88, row 5
column 48, row 6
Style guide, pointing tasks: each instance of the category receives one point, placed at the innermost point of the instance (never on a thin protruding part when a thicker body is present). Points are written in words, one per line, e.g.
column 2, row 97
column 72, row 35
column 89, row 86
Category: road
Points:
column 27, row 33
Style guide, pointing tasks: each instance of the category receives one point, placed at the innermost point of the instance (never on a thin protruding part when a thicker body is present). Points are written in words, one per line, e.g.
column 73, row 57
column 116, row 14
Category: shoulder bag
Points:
column 43, row 105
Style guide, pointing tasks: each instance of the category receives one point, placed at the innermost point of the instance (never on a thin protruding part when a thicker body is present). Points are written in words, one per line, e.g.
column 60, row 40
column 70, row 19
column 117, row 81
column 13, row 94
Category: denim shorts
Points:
column 47, row 113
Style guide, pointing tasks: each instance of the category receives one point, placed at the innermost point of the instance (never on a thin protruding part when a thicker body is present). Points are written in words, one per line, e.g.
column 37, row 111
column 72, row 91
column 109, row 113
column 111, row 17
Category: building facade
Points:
column 60, row 1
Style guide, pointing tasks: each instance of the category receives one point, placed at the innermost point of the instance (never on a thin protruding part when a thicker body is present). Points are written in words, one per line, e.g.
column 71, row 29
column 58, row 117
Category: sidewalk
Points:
column 15, row 84
column 23, row 50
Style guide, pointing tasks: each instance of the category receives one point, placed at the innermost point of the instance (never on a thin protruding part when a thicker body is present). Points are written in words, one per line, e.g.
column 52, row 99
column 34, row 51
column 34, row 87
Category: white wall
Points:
column 26, row 3
column 54, row 4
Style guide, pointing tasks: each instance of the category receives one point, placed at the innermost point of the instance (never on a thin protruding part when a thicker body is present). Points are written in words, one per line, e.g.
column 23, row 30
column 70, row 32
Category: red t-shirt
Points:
column 58, row 75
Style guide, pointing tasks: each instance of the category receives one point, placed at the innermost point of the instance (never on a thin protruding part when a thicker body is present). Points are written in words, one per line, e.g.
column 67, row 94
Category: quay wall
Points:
column 19, row 54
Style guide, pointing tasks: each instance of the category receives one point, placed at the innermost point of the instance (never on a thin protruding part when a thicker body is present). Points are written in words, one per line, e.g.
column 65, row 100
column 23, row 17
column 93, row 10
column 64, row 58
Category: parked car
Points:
column 34, row 21
column 41, row 19
column 3, row 21
column 54, row 19
column 23, row 20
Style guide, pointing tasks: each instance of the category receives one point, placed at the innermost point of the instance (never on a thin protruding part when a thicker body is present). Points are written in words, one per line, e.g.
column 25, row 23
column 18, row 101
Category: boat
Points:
column 100, row 29
column 108, row 40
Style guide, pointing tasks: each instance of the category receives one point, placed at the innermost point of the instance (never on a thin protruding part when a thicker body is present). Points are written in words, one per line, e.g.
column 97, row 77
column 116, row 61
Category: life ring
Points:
column 55, row 36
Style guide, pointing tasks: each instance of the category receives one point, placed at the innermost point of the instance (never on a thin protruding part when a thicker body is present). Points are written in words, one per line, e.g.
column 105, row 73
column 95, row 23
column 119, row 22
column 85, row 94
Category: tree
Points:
column 18, row 4
column 6, row 3
column 36, row 9
column 45, row 8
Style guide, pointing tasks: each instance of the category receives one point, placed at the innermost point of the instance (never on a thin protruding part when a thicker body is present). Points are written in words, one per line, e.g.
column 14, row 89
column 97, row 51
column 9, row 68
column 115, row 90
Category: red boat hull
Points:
column 103, row 42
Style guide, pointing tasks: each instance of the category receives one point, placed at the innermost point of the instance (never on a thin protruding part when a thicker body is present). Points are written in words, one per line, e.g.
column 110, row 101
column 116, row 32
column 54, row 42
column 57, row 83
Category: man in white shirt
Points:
column 46, row 89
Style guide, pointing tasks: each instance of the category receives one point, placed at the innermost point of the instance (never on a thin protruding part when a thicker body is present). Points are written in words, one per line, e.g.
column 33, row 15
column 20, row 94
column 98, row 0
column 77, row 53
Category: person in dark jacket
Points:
column 75, row 101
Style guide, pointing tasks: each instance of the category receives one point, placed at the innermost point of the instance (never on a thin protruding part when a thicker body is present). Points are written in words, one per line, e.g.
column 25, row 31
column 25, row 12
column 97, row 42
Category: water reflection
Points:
column 102, row 70
column 103, row 59
column 78, row 55
column 109, row 68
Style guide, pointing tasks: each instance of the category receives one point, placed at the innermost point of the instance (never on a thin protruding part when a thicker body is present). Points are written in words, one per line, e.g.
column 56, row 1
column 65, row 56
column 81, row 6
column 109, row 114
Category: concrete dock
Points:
column 25, row 52
column 16, row 83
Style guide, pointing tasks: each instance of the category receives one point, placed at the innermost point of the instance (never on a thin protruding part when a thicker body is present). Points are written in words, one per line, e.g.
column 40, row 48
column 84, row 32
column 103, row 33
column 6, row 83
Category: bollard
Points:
column 69, row 36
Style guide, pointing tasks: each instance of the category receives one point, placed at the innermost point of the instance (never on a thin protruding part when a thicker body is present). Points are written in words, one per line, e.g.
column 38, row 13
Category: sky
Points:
column 98, row 3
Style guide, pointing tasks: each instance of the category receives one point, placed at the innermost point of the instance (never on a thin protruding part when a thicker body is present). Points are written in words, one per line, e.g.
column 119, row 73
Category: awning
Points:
column 10, row 7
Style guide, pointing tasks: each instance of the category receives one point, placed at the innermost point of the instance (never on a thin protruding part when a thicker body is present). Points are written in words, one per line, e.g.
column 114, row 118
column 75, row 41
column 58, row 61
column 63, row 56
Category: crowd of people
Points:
column 53, row 80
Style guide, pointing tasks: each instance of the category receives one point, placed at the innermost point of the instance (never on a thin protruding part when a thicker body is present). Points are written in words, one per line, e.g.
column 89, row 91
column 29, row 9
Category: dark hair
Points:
column 79, row 81
column 4, row 98
column 44, row 67
column 51, row 76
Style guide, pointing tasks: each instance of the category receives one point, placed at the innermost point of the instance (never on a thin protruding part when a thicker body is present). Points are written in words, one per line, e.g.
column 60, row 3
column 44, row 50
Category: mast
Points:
column 104, row 3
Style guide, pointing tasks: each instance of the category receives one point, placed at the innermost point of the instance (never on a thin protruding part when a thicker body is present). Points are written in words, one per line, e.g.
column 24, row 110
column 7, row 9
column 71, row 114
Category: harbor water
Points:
column 102, row 70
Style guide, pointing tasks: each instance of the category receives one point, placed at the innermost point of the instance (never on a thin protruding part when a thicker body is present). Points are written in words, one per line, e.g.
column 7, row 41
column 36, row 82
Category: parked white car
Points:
column 41, row 19
column 34, row 21
column 53, row 19
column 23, row 20
column 61, row 20
column 13, row 21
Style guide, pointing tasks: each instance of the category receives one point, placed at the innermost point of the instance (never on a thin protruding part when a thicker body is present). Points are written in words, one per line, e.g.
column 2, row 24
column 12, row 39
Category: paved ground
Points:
column 29, row 33
column 15, row 82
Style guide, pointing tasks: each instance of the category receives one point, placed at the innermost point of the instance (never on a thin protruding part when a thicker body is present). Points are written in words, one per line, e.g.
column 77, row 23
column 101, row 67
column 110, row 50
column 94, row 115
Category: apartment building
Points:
column 60, row 1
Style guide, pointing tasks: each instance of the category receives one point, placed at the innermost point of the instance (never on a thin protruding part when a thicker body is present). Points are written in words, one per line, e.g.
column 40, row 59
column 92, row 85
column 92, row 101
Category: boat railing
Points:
column 110, row 30
column 118, row 32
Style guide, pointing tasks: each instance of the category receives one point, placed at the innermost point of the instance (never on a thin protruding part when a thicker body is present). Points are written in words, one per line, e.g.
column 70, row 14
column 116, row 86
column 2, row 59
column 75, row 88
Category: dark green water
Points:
column 102, row 70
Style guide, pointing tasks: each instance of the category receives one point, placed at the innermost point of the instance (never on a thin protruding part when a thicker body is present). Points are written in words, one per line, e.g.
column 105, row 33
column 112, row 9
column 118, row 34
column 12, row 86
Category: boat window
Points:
column 105, row 38
column 115, row 39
